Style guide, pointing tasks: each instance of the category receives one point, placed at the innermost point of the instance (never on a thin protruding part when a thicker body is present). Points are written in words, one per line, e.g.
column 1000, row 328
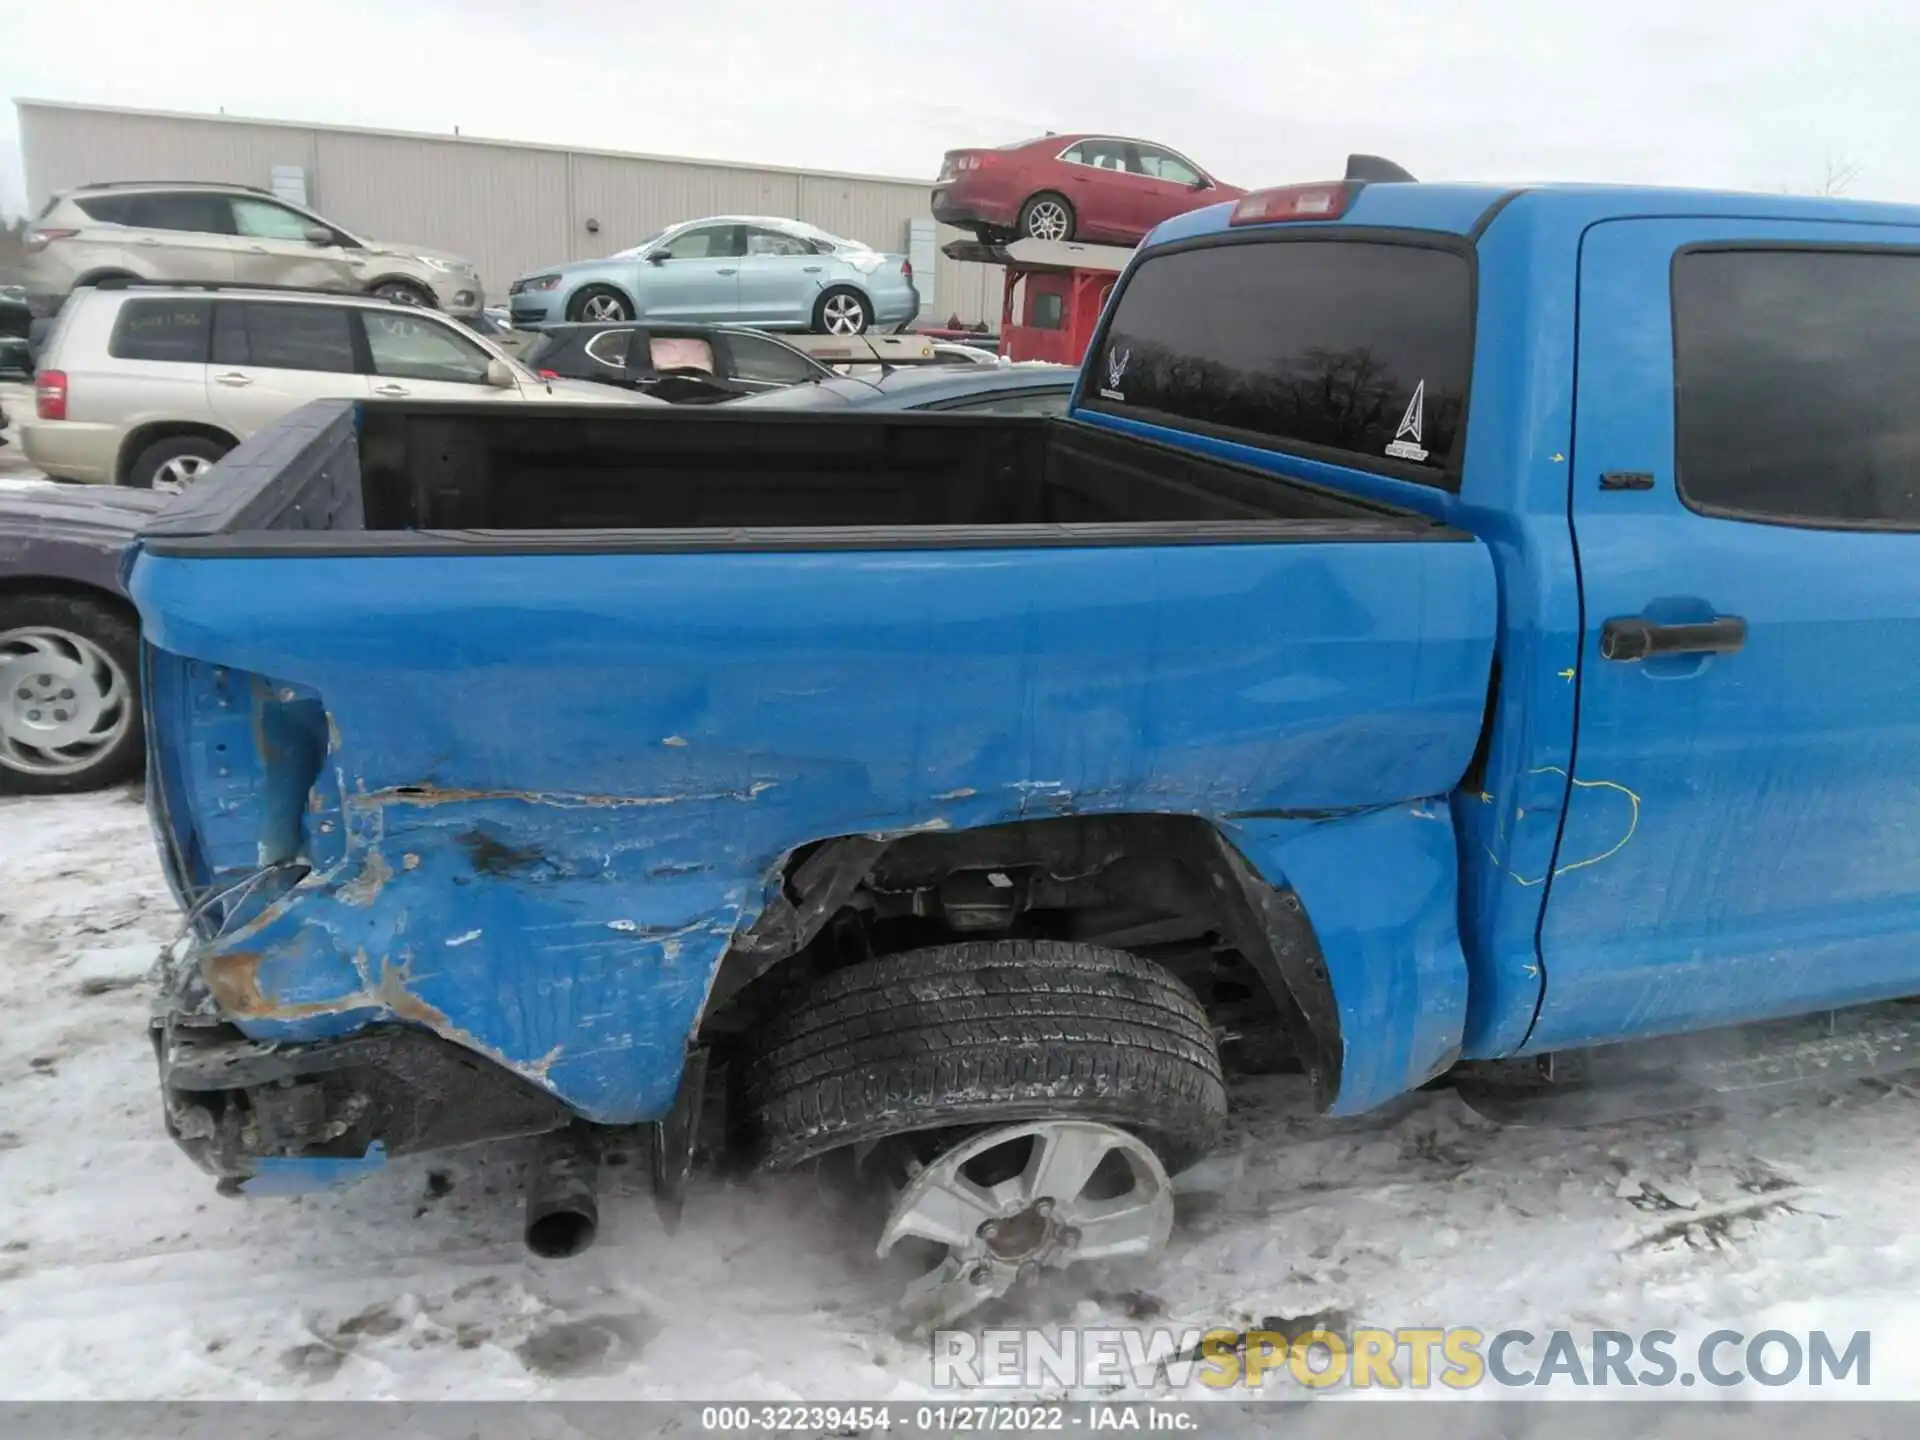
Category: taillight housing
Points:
column 549, row 374
column 38, row 240
column 906, row 271
column 50, row 395
column 1325, row 200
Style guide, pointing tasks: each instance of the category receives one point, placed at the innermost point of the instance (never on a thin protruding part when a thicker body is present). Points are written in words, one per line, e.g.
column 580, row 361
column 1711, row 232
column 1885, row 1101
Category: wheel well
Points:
column 12, row 586
column 419, row 287
column 1165, row 887
column 97, row 276
column 142, row 436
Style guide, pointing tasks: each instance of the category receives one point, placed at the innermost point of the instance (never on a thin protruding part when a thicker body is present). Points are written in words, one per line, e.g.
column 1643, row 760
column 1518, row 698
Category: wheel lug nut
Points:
column 989, row 1229
column 981, row 1275
column 1043, row 1206
column 1069, row 1238
column 33, row 714
column 46, row 679
column 66, row 694
column 59, row 714
column 25, row 694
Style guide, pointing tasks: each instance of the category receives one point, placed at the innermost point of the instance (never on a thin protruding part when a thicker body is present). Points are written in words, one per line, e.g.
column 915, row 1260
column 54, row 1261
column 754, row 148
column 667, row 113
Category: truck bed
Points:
column 506, row 724
column 522, row 478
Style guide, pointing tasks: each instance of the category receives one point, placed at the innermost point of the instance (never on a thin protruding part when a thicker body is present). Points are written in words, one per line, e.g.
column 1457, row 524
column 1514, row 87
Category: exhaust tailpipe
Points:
column 563, row 1209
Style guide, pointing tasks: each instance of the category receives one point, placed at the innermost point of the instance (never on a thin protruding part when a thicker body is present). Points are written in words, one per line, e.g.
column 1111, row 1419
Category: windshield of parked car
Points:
column 634, row 252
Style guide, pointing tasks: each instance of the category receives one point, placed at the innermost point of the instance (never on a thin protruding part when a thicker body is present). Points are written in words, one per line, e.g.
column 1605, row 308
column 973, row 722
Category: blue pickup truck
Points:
column 1457, row 633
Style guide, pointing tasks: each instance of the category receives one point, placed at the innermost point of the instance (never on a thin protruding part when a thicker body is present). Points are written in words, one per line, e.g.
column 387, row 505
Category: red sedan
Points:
column 1071, row 187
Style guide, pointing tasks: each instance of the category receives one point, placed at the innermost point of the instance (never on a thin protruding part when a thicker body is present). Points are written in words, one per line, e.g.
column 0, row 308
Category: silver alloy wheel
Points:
column 603, row 307
column 64, row 702
column 1062, row 1206
column 1047, row 220
column 844, row 314
column 178, row 473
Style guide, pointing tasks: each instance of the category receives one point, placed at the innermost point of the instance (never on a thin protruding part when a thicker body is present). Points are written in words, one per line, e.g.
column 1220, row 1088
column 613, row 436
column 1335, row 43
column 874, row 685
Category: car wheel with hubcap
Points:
column 172, row 464
column 1047, row 217
column 842, row 312
column 69, row 704
column 599, row 302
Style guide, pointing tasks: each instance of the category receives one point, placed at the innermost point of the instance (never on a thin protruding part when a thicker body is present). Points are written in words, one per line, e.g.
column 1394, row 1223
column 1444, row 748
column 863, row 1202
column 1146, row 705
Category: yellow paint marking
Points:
column 1633, row 824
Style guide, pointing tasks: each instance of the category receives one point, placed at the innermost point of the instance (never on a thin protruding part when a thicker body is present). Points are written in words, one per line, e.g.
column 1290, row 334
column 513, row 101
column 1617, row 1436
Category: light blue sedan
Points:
column 746, row 269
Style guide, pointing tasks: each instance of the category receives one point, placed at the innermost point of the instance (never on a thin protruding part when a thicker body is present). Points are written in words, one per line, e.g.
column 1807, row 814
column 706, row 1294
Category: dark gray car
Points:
column 69, row 638
column 979, row 389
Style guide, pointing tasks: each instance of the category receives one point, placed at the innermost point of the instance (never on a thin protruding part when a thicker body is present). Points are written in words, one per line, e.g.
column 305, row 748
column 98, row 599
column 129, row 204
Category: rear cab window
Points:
column 170, row 330
column 1354, row 350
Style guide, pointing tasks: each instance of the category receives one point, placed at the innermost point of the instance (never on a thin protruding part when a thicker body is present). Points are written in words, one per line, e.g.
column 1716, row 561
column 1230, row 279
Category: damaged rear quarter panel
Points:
column 555, row 786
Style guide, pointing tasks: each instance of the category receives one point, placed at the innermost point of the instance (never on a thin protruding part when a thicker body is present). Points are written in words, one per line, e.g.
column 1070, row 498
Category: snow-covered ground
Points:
column 122, row 1274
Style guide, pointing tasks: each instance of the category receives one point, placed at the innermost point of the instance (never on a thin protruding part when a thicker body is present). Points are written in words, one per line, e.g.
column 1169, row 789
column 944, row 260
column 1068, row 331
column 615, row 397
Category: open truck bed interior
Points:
column 404, row 475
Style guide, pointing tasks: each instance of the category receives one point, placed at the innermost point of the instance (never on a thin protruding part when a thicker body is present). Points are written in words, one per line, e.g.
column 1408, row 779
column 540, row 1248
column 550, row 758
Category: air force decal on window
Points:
column 1411, row 424
column 1117, row 367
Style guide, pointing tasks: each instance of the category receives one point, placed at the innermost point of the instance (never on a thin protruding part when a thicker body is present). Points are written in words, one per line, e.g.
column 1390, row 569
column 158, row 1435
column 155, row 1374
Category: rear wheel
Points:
column 987, row 1033
column 842, row 312
column 1047, row 217
column 172, row 464
column 69, row 707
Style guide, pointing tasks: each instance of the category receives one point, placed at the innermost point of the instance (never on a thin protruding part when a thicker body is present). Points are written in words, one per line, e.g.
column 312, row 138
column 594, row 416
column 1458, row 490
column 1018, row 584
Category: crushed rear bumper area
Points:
column 277, row 1118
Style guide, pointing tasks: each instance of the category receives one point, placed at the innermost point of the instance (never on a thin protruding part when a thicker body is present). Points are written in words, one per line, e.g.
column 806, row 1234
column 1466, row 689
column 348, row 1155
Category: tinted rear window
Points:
column 1358, row 348
column 1796, row 372
column 285, row 336
column 162, row 330
column 165, row 210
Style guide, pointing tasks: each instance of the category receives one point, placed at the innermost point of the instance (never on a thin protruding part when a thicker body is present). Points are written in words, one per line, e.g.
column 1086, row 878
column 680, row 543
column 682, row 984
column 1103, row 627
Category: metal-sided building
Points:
column 508, row 206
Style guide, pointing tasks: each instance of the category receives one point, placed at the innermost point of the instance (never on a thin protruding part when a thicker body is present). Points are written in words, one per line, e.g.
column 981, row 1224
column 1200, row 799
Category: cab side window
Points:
column 1796, row 373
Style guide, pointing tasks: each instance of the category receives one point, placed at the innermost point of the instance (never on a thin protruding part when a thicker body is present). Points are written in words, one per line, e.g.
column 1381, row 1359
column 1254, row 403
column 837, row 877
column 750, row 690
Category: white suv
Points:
column 149, row 385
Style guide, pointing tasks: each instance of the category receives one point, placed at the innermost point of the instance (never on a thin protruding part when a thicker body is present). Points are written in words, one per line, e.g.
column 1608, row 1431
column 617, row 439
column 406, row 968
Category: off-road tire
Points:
column 986, row 1032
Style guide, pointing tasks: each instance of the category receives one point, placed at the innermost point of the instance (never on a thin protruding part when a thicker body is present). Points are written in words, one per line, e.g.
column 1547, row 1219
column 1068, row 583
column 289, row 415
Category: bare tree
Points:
column 1837, row 177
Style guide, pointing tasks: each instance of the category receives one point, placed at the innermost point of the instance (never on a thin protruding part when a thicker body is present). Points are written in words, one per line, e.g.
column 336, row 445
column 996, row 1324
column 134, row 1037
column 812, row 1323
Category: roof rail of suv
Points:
column 143, row 184
column 126, row 282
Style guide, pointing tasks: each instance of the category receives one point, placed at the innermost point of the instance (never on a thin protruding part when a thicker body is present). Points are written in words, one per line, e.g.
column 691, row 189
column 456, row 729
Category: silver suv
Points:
column 233, row 234
column 149, row 385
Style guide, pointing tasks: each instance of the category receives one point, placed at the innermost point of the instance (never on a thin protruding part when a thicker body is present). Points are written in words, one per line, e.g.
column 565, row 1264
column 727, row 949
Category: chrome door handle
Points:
column 233, row 378
column 728, row 271
column 391, row 390
column 811, row 269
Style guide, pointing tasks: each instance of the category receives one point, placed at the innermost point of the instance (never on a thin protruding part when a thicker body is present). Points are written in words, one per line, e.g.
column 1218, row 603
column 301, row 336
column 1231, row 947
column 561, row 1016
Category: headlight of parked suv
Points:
column 445, row 267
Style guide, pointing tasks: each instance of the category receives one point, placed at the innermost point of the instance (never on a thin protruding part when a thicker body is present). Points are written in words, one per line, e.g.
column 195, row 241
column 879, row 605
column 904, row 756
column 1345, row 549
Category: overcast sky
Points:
column 1758, row 95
